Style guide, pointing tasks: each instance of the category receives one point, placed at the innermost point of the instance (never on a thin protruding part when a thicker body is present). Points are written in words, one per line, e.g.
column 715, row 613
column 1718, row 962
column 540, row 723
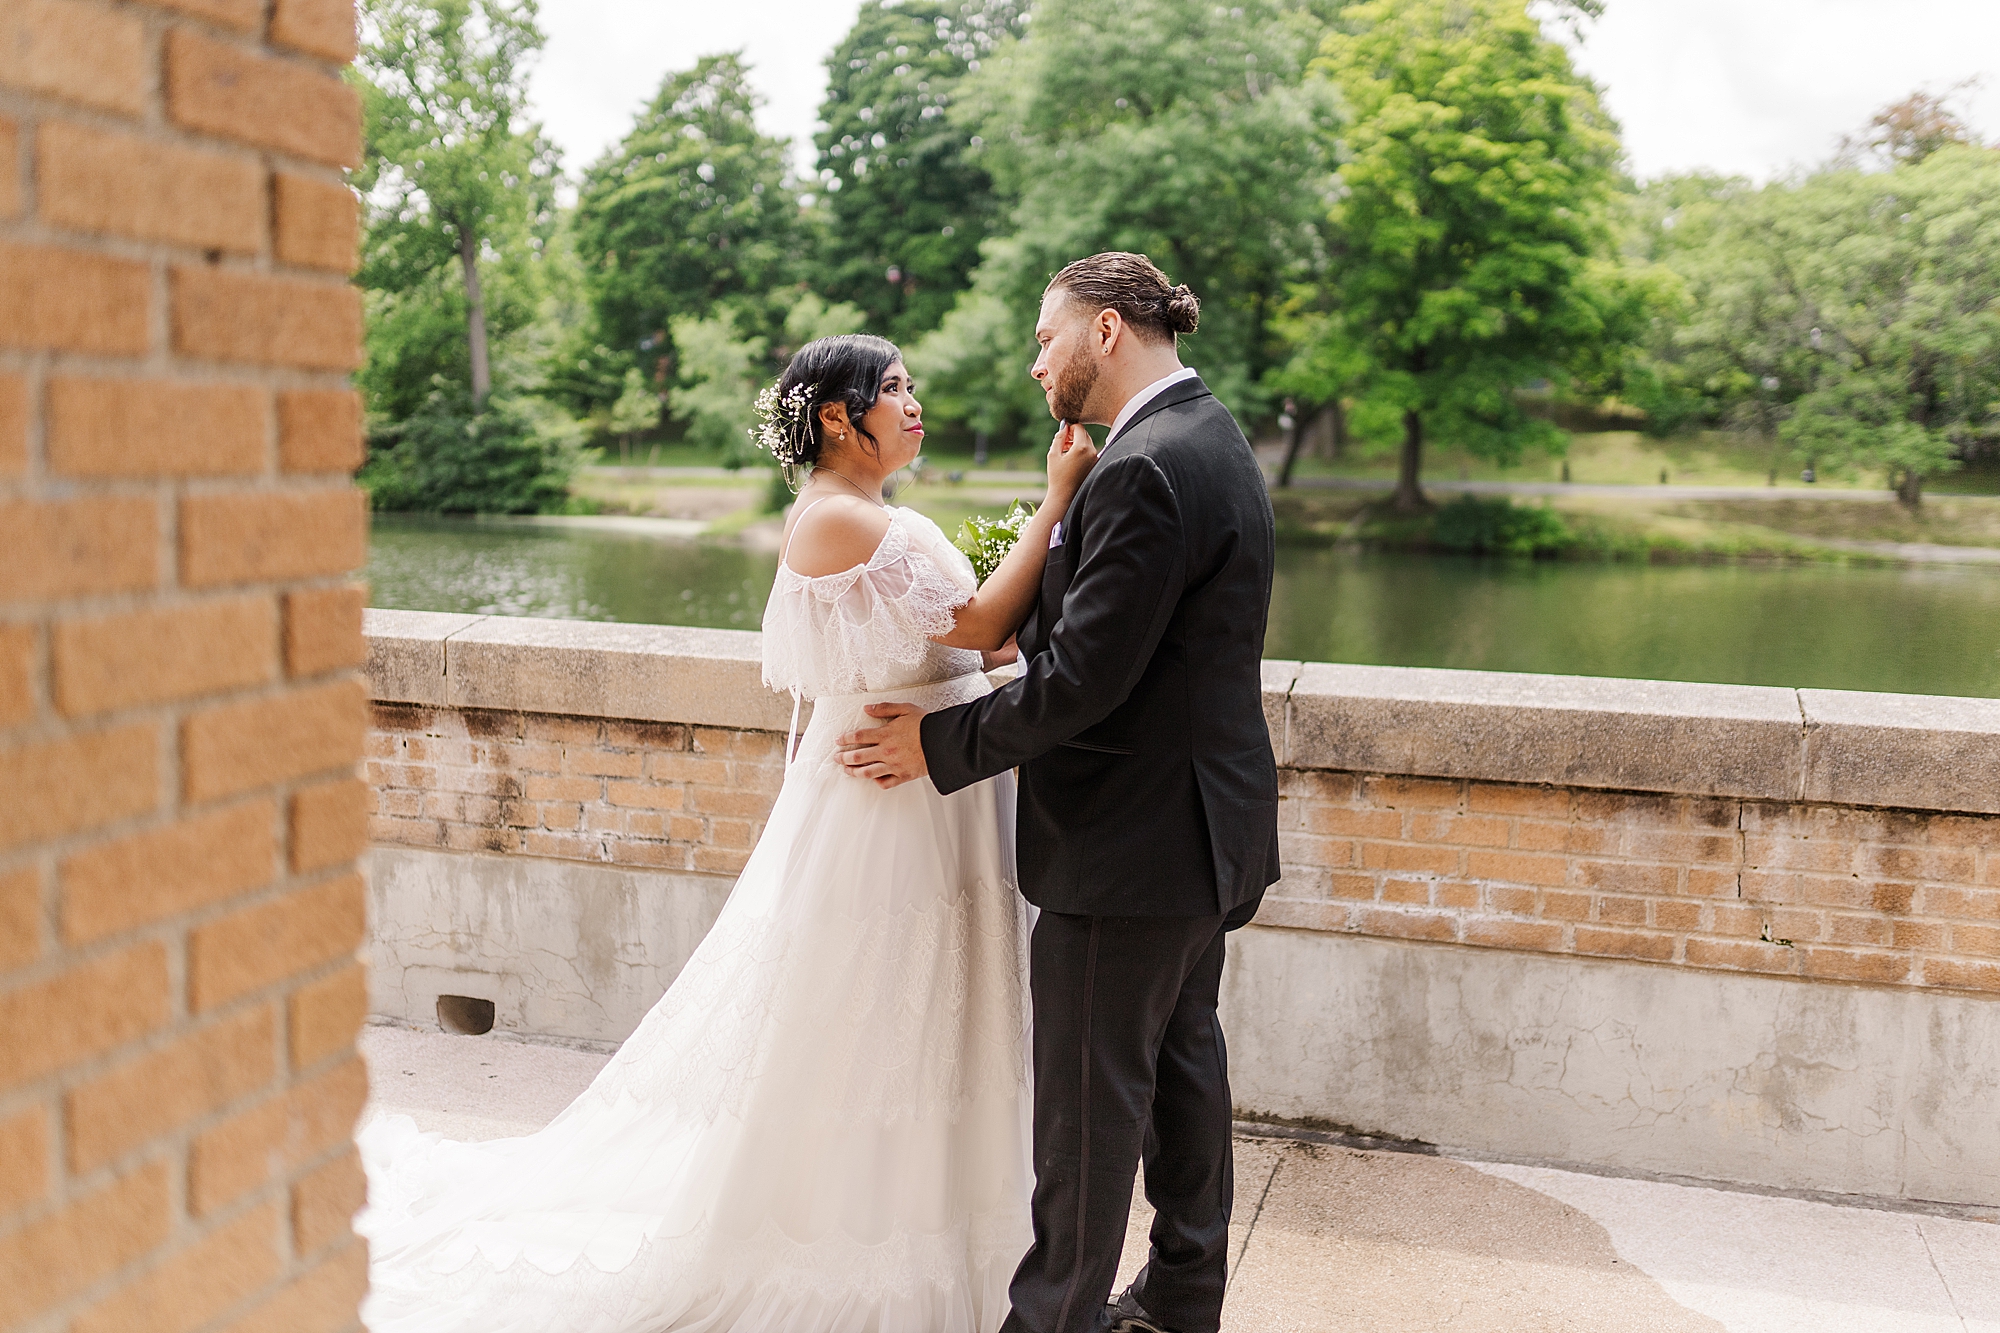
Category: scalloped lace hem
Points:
column 705, row 1282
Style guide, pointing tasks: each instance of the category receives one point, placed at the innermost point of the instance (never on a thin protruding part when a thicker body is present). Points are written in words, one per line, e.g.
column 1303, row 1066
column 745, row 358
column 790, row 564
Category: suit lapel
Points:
column 1171, row 396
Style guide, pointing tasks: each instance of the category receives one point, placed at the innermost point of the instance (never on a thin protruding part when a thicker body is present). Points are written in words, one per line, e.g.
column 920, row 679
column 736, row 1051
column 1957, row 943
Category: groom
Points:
column 1148, row 803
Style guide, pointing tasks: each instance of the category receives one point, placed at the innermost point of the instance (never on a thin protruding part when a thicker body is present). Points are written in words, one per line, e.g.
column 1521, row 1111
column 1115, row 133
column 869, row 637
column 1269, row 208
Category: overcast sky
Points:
column 1747, row 86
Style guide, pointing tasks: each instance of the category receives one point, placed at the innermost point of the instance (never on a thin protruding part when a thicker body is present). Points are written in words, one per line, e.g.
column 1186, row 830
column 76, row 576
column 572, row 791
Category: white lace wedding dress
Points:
column 822, row 1127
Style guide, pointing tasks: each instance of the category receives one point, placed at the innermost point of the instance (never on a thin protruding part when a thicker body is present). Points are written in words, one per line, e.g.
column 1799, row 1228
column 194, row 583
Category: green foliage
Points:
column 582, row 372
column 717, row 384
column 637, row 408
column 973, row 369
column 1855, row 316
column 812, row 318
column 577, row 369
column 778, row 493
column 1474, row 256
column 458, row 183
column 416, row 340
column 1719, row 358
column 1176, row 128
column 986, row 541
column 690, row 210
column 511, row 456
column 1479, row 526
column 906, row 208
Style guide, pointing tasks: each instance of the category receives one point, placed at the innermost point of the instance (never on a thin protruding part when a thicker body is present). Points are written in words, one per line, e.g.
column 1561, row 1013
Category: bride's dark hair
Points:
column 846, row 369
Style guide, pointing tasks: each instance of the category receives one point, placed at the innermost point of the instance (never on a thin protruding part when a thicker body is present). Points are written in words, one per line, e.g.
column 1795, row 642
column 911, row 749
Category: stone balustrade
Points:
column 1727, row 932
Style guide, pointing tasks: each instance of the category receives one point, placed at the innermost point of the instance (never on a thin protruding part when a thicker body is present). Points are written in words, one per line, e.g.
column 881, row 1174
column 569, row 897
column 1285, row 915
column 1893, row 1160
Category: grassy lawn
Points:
column 1605, row 458
column 682, row 497
column 1630, row 458
column 1637, row 528
column 664, row 453
column 1801, row 523
column 730, row 504
column 1943, row 519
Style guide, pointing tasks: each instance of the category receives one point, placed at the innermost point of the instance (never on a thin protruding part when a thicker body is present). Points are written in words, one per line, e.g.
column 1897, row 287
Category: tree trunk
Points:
column 1339, row 415
column 475, row 317
column 1295, row 435
column 1409, row 497
column 1910, row 489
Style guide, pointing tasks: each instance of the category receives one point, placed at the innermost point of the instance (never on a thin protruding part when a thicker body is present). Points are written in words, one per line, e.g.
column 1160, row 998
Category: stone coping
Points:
column 1902, row 751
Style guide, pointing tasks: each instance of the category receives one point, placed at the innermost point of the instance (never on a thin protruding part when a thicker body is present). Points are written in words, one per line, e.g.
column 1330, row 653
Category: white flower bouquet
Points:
column 986, row 541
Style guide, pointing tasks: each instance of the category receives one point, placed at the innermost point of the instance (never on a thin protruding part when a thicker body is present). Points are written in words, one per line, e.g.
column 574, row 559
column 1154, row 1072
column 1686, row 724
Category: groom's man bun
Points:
column 1134, row 286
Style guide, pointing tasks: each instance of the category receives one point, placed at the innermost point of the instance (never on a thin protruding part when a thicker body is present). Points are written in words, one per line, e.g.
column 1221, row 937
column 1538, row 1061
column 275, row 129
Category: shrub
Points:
column 512, row 457
column 1499, row 527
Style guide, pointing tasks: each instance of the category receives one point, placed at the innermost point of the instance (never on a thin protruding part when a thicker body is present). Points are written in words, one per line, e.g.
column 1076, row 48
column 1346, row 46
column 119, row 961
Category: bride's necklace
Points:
column 859, row 489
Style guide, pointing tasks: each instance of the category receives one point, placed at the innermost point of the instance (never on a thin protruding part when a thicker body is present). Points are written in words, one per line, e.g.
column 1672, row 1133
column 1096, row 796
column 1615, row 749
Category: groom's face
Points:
column 1065, row 369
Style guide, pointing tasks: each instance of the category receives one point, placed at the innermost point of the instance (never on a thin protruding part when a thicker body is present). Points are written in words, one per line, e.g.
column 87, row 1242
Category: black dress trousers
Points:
column 1129, row 1064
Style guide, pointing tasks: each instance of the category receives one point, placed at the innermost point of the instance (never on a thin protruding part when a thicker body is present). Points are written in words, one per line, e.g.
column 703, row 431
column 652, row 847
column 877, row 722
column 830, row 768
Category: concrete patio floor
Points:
column 1331, row 1239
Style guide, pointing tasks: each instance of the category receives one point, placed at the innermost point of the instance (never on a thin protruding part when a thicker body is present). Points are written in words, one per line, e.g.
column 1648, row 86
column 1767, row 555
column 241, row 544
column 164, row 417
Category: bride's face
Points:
column 897, row 420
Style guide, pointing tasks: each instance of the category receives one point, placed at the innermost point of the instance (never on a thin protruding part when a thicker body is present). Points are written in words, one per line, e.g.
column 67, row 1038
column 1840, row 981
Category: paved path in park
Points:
column 1025, row 479
column 1331, row 1239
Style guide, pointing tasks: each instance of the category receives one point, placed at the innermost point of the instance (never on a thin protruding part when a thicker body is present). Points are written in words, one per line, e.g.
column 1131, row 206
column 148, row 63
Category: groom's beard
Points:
column 1072, row 388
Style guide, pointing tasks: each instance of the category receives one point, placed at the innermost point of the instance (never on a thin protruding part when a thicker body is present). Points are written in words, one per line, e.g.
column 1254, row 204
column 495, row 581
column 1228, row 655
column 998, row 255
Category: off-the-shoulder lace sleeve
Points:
column 832, row 634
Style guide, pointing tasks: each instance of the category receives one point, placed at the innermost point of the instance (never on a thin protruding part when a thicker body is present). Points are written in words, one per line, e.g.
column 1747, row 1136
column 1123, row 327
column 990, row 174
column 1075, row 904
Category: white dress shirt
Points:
column 1146, row 395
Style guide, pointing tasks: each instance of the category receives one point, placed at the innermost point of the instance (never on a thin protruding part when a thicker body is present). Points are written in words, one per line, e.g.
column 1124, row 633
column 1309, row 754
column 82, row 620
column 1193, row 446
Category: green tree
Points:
column 1853, row 317
column 454, row 172
column 719, row 373
column 690, row 210
column 1899, row 276
column 1473, row 247
column 973, row 369
column 637, row 409
column 812, row 318
column 1179, row 129
column 905, row 208
column 1709, row 359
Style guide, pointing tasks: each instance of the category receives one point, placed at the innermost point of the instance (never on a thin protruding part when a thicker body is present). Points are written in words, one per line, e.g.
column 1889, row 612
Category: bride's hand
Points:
column 1071, row 457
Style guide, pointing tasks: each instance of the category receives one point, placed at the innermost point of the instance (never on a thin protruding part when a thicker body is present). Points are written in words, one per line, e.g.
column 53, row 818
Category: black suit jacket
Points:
column 1148, row 786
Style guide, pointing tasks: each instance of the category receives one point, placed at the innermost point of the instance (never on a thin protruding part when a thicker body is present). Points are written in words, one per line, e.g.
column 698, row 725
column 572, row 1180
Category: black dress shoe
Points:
column 1126, row 1315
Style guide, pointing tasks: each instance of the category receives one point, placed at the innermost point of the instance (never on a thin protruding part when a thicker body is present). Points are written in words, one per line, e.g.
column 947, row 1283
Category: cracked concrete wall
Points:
column 564, row 949
column 1764, row 1081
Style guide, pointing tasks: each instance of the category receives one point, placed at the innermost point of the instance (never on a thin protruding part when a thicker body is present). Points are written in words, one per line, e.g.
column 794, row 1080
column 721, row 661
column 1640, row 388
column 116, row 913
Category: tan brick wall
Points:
column 653, row 794
column 179, row 719
column 1797, row 890
column 1810, row 891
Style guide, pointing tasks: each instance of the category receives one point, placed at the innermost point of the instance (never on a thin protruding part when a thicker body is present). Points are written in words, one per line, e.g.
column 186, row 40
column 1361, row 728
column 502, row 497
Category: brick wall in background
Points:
column 1820, row 892
column 1824, row 892
column 179, row 715
column 654, row 795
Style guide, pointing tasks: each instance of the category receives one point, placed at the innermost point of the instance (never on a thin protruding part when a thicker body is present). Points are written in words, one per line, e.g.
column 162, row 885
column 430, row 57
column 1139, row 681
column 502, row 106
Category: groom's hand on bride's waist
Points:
column 888, row 755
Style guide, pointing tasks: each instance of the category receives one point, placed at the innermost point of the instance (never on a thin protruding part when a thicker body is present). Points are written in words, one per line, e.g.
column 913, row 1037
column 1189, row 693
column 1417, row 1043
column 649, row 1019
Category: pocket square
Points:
column 1055, row 535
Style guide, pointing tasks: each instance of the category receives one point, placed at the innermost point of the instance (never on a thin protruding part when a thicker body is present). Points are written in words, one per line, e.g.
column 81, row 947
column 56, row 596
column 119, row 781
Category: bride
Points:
column 822, row 1126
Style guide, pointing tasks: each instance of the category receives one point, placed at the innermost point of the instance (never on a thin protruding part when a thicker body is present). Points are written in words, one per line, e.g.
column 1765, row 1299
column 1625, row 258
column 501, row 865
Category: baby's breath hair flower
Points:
column 782, row 429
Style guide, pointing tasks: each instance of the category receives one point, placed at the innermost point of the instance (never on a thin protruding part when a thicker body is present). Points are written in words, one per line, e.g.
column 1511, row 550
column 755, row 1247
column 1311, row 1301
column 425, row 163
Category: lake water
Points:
column 1926, row 630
